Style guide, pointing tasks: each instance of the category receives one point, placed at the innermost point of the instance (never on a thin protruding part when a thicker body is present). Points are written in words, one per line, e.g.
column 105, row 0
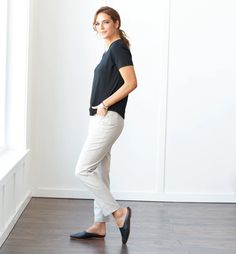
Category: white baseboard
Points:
column 11, row 223
column 139, row 196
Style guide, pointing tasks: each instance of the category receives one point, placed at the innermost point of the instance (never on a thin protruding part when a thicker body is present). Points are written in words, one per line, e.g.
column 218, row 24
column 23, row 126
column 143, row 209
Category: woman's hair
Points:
column 115, row 17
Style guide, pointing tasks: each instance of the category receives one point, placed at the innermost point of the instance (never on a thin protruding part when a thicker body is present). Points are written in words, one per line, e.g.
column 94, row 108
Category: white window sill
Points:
column 9, row 159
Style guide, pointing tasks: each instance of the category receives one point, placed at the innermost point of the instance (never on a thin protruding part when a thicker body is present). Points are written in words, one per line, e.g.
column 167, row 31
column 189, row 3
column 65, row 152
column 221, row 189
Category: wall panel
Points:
column 201, row 123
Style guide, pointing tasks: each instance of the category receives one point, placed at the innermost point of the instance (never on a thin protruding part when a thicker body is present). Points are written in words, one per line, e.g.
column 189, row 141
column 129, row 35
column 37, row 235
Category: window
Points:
column 2, row 112
column 3, row 39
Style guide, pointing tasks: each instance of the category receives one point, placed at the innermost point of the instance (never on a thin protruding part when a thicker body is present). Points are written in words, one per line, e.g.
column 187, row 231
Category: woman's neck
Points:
column 111, row 40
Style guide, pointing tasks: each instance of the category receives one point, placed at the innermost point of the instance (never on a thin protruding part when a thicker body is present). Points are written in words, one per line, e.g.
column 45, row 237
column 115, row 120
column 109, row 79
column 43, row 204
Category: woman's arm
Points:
column 130, row 83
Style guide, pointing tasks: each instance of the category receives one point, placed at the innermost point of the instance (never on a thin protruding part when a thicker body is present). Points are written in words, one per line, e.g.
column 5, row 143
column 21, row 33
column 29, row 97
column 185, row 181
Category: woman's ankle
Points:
column 117, row 213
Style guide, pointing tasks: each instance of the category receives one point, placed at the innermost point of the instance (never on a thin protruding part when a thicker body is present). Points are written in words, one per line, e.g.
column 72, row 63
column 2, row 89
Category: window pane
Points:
column 3, row 38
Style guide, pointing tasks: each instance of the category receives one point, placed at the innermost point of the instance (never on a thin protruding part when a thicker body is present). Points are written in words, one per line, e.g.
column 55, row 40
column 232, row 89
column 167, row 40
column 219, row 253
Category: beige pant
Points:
column 93, row 165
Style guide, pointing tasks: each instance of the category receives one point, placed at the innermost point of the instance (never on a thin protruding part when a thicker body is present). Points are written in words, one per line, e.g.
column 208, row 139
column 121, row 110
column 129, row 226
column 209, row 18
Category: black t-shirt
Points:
column 107, row 78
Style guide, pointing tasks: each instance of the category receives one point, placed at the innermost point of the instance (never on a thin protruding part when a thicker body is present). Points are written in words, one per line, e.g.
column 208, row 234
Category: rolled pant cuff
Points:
column 109, row 210
column 102, row 219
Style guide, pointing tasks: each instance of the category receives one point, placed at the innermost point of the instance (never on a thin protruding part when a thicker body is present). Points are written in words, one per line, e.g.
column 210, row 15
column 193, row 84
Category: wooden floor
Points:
column 157, row 227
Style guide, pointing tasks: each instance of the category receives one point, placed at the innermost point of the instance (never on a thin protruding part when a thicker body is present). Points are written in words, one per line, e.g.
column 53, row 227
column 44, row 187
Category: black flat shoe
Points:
column 85, row 235
column 125, row 230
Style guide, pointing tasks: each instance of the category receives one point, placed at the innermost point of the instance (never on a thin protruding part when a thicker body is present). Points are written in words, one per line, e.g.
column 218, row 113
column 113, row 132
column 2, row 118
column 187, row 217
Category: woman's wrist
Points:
column 104, row 106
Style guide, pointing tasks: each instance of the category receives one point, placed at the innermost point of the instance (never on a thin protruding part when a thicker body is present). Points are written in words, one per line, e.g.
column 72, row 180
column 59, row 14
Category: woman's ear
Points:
column 117, row 24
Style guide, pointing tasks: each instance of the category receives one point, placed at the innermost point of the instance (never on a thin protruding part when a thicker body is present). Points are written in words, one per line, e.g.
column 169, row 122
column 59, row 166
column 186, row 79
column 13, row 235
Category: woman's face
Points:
column 105, row 26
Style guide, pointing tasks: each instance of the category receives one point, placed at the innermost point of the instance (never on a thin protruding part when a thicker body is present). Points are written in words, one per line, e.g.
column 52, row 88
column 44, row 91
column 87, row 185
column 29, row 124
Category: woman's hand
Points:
column 101, row 109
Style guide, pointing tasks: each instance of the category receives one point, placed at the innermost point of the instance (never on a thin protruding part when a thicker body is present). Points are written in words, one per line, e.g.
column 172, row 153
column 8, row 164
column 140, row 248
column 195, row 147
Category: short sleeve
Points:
column 121, row 55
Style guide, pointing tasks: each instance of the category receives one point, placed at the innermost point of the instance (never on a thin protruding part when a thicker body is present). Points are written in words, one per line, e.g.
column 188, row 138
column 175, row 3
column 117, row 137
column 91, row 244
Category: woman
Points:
column 114, row 79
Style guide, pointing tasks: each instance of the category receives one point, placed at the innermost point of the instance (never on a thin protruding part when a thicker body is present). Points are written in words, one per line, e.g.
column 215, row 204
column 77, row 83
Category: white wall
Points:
column 178, row 142
column 201, row 121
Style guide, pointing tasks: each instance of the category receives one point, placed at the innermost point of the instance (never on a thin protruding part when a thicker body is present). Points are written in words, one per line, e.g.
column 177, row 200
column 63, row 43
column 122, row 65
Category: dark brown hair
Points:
column 115, row 17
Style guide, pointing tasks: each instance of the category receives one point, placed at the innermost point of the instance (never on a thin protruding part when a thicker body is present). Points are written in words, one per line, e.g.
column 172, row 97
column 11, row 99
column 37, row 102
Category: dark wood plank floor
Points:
column 157, row 227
